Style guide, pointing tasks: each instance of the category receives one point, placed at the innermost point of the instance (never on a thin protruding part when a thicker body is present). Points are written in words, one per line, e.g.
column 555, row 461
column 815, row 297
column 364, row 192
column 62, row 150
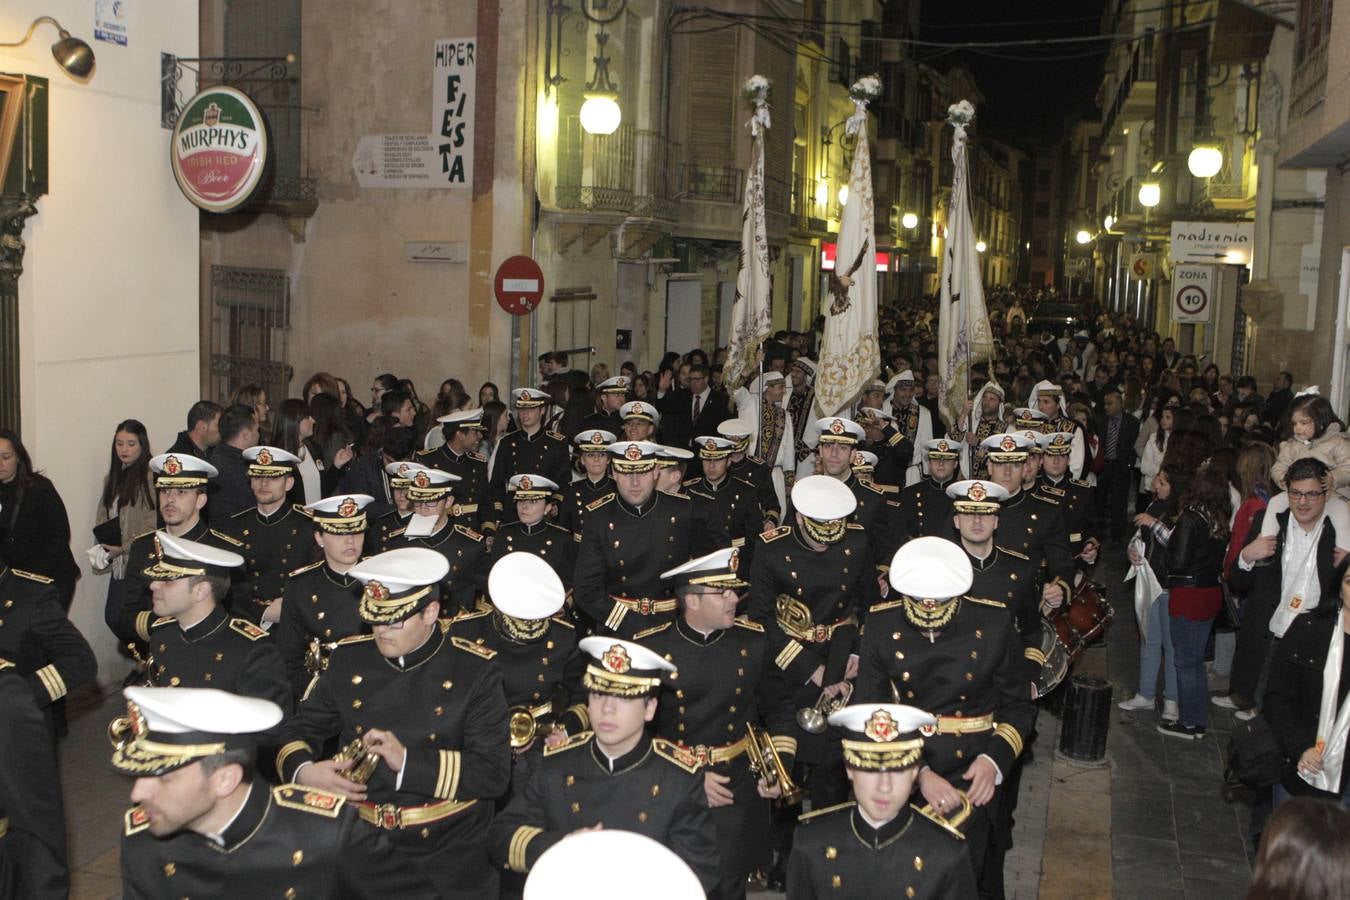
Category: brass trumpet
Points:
column 316, row 656
column 954, row 820
column 814, row 719
column 120, row 730
column 524, row 727
column 366, row 761
column 768, row 765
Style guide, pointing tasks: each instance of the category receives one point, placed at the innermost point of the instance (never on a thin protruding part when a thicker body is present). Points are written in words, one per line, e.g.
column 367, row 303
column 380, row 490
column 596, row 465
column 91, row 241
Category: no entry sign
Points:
column 519, row 285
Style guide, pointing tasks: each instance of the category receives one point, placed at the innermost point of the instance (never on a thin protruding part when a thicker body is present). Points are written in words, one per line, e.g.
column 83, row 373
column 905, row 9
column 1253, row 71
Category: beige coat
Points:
column 132, row 520
column 1332, row 448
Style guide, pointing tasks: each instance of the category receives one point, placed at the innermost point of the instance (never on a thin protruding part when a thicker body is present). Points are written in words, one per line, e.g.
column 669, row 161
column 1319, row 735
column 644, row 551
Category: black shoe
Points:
column 1184, row 732
column 775, row 879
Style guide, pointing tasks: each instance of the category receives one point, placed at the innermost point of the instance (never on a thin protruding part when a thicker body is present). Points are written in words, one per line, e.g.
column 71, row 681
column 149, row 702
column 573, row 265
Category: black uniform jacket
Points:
column 290, row 841
column 837, row 854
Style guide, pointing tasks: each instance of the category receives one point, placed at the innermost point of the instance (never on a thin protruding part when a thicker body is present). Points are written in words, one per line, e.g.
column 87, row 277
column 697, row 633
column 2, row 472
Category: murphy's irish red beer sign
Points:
column 219, row 149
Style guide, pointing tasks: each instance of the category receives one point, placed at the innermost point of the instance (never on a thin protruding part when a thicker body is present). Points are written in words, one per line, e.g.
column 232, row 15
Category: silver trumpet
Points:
column 814, row 719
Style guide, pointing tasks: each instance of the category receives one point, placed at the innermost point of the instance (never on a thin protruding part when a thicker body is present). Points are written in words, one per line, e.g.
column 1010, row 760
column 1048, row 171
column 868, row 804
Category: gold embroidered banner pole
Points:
column 964, row 335
column 850, row 354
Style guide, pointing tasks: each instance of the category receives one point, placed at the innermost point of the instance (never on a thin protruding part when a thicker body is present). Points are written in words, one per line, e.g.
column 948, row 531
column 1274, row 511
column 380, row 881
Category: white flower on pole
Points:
column 756, row 89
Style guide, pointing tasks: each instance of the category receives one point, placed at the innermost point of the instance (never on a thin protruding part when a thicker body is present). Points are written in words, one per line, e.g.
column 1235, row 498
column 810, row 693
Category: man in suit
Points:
column 1272, row 600
column 1117, row 430
column 1281, row 395
column 697, row 409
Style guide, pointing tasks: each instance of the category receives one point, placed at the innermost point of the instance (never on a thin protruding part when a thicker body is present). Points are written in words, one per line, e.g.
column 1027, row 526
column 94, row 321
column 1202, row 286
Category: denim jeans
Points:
column 1156, row 650
column 1189, row 640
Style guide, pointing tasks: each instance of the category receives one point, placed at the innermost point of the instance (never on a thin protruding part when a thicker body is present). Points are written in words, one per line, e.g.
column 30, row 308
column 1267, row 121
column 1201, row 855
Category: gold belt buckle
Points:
column 702, row 753
column 391, row 817
column 822, row 633
column 645, row 606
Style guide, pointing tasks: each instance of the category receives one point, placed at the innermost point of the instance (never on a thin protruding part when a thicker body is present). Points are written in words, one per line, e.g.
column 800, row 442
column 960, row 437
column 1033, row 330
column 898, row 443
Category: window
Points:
column 250, row 324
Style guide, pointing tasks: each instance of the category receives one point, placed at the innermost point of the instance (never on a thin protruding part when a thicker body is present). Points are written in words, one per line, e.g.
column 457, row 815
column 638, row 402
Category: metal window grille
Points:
column 250, row 325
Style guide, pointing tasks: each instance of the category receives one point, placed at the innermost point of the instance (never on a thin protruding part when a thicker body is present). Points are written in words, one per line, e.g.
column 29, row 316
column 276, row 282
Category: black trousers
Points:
column 1113, row 496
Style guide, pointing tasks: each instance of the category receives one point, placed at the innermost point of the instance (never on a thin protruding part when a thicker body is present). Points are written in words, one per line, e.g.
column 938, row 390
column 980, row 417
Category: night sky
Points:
column 1029, row 91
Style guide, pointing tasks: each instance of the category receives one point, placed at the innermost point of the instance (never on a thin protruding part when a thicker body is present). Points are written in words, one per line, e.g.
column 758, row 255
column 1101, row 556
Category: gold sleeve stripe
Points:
column 582, row 713
column 1035, row 655
column 52, row 681
column 286, row 751
column 788, row 654
column 616, row 616
column 1009, row 734
column 447, row 782
column 143, row 624
column 515, row 856
column 784, row 744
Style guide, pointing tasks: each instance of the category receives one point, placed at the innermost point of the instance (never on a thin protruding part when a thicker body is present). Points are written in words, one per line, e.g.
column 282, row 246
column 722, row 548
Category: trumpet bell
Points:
column 522, row 726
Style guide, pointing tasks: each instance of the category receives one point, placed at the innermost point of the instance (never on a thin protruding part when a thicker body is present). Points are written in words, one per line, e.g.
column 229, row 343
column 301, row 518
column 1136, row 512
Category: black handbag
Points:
column 1255, row 758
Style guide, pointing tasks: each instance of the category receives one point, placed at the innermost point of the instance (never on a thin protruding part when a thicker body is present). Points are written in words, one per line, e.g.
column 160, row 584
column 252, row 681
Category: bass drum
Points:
column 1056, row 664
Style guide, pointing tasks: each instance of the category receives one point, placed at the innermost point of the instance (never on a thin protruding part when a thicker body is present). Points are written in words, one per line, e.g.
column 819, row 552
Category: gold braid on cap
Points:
column 615, row 684
column 930, row 614
column 521, row 630
column 878, row 757
column 826, row 531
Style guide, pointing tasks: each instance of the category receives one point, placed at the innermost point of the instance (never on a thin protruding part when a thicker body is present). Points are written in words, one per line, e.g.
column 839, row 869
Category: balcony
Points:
column 624, row 173
column 1310, row 83
column 1135, row 94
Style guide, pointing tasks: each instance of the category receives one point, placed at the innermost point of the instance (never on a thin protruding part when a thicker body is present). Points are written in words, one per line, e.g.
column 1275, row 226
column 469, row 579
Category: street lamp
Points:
column 600, row 114
column 1205, row 161
column 822, row 193
column 1083, row 236
column 909, row 220
column 73, row 55
column 843, row 195
column 1108, row 221
column 1150, row 193
column 981, row 246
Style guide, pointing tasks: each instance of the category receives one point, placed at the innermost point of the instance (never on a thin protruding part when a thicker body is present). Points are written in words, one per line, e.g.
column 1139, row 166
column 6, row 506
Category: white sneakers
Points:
column 1171, row 712
column 1223, row 701
column 1138, row 701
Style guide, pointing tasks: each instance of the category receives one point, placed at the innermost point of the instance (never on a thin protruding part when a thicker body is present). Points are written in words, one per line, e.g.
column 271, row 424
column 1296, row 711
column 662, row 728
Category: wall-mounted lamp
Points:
column 1083, row 236
column 843, row 195
column 1205, row 161
column 73, row 55
column 909, row 220
column 600, row 114
column 1149, row 194
column 981, row 246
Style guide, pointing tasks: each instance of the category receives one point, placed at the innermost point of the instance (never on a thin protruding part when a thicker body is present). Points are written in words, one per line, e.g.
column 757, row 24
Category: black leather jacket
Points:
column 1195, row 549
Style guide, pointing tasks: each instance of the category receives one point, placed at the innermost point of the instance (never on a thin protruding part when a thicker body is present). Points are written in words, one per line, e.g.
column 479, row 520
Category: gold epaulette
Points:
column 1077, row 482
column 426, row 451
column 887, row 488
column 1052, row 490
column 303, row 569
column 997, row 604
column 398, row 532
column 1044, row 499
column 226, row 538
column 817, row 813
column 145, row 534
column 162, row 620
column 883, row 606
column 32, row 576
column 596, row 504
column 677, row 495
column 244, row 512
column 574, row 741
column 471, row 647
column 476, row 613
column 135, row 820
column 871, row 487
column 939, row 821
column 356, row 639
column 648, row 632
column 745, row 481
column 563, row 621
column 557, row 435
column 689, row 481
column 309, row 799
column 697, row 494
column 775, row 534
column 1012, row 553
column 895, row 438
column 302, row 510
column 247, row 629
column 747, row 624
column 854, row 526
column 469, row 533
column 476, row 456
column 676, row 754
column 754, row 459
